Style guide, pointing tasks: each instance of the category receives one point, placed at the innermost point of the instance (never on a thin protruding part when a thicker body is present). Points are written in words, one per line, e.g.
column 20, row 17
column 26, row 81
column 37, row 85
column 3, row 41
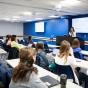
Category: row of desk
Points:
column 42, row 72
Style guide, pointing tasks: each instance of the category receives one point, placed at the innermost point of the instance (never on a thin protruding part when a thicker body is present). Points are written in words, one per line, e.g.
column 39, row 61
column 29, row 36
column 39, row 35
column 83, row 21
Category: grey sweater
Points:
column 34, row 82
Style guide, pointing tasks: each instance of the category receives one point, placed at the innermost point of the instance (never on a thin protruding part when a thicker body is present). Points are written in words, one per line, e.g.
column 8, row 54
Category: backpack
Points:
column 41, row 61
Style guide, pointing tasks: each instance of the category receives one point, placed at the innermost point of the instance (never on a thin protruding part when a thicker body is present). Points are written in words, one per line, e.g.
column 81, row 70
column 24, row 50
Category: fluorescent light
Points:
column 39, row 18
column 28, row 20
column 53, row 16
column 16, row 17
column 27, row 13
column 67, row 2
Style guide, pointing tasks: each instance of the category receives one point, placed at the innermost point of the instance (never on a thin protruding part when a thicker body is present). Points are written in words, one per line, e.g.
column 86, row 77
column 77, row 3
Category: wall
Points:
column 11, row 28
column 56, row 27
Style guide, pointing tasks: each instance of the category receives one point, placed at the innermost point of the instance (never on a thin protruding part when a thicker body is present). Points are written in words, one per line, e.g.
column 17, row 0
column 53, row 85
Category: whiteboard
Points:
column 39, row 27
column 80, row 25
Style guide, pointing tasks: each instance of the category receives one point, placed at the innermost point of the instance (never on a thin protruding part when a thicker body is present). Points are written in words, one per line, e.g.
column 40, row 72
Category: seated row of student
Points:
column 63, row 58
column 25, row 74
column 76, row 47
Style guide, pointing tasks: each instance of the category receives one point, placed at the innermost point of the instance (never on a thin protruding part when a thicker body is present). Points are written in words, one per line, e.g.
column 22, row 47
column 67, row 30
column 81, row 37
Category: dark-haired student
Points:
column 14, row 43
column 72, row 32
column 8, row 40
column 25, row 74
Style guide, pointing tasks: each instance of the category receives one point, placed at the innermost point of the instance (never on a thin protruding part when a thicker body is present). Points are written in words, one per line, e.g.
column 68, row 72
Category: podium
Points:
column 59, row 39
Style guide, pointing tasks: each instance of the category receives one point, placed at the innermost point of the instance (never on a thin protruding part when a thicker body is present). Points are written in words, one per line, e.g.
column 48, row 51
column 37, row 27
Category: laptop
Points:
column 49, row 81
column 55, row 52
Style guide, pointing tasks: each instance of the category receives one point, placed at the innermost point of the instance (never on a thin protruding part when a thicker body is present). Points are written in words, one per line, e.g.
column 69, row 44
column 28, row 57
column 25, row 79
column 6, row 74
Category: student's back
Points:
column 25, row 74
column 34, row 82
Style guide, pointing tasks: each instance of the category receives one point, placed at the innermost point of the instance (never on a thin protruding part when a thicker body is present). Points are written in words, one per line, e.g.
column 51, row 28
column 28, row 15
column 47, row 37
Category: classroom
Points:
column 43, row 44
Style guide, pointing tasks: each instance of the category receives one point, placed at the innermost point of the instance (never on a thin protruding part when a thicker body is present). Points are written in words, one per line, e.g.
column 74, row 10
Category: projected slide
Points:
column 39, row 27
column 80, row 25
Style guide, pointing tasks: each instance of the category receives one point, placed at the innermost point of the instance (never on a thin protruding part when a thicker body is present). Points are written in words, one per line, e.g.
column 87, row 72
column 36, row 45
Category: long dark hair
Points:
column 25, row 67
column 73, row 29
column 7, row 38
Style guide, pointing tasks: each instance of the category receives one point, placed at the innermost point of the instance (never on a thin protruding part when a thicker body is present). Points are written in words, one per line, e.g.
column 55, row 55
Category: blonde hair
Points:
column 64, row 50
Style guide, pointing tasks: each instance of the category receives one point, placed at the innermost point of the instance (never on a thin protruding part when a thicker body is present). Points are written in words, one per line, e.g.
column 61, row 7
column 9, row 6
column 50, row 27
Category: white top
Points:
column 70, row 61
column 73, row 35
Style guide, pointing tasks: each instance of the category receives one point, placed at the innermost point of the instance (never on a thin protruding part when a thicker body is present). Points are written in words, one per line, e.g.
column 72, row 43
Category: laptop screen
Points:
column 55, row 51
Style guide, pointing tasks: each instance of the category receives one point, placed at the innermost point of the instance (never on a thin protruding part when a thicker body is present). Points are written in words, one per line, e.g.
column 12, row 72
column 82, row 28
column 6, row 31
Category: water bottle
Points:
column 63, row 80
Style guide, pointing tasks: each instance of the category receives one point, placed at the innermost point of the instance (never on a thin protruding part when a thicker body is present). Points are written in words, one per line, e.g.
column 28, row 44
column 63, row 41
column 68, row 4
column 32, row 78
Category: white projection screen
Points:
column 39, row 27
column 80, row 25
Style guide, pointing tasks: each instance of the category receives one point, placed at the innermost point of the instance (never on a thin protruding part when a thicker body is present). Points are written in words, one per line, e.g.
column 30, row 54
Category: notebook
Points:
column 30, row 45
column 55, row 51
column 49, row 81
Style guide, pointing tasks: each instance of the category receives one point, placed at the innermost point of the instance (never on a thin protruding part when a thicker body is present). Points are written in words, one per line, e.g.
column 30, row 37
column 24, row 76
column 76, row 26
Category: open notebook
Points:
column 49, row 81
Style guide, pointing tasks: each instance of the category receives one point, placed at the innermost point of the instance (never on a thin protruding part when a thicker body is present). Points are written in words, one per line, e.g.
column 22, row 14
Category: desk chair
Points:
column 65, row 69
column 14, row 53
column 77, row 55
column 46, row 48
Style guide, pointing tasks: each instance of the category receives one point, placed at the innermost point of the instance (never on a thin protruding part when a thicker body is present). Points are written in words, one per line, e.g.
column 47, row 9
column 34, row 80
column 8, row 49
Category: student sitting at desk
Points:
column 8, row 40
column 76, row 47
column 25, row 74
column 30, row 41
column 40, row 52
column 63, row 58
column 14, row 43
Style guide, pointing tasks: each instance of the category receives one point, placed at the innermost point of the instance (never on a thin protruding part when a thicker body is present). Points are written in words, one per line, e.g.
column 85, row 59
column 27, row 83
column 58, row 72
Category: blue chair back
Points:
column 65, row 69
column 77, row 55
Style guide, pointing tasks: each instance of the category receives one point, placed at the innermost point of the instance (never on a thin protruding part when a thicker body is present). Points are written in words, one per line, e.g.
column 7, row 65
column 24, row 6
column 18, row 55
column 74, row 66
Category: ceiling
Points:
column 41, row 9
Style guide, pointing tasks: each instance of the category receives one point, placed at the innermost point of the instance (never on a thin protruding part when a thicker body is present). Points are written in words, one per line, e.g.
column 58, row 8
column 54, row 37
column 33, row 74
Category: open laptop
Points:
column 55, row 52
column 49, row 81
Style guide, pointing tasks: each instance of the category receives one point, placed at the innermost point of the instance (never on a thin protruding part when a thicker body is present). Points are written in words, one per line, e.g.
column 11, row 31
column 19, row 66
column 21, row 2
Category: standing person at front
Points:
column 25, row 74
column 72, row 32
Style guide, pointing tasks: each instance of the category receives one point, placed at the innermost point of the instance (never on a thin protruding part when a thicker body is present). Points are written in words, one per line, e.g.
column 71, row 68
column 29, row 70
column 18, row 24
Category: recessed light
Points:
column 27, row 13
column 54, row 16
column 39, row 18
column 16, row 17
column 67, row 2
column 28, row 20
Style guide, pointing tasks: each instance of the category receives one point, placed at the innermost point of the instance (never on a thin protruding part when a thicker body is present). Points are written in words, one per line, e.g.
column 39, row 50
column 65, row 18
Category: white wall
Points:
column 11, row 28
